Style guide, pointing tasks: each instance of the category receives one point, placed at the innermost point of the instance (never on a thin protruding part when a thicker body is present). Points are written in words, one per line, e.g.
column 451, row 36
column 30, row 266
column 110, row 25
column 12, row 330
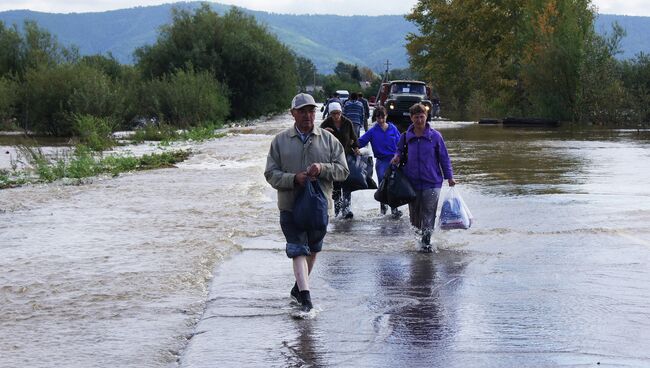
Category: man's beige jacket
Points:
column 289, row 156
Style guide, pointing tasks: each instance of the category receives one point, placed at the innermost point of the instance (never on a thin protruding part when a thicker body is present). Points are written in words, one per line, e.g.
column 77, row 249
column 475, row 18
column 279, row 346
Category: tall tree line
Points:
column 538, row 58
column 203, row 69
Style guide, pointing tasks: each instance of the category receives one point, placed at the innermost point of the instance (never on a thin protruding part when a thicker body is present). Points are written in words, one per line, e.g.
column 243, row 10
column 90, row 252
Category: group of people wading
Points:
column 305, row 152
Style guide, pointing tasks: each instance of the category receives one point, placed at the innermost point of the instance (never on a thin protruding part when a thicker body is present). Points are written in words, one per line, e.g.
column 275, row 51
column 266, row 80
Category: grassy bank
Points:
column 83, row 163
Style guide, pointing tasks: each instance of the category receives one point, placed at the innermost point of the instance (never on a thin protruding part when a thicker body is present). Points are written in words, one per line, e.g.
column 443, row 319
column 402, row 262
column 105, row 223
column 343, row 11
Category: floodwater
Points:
column 185, row 267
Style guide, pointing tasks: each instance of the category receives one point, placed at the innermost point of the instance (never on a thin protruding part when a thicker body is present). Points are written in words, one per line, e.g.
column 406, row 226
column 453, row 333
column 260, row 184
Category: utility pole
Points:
column 386, row 73
column 385, row 80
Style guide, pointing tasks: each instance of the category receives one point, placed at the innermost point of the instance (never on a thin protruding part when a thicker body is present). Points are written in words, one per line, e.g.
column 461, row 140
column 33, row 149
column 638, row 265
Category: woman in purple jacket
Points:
column 427, row 165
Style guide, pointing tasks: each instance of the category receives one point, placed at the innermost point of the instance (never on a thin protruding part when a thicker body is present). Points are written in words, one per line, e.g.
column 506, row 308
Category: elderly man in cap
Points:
column 300, row 153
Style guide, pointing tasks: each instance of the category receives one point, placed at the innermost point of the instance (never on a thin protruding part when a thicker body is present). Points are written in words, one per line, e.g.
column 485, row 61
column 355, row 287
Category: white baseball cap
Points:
column 334, row 106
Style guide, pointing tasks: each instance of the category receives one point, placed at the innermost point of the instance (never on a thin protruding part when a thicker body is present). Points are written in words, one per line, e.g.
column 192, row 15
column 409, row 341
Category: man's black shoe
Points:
column 382, row 209
column 348, row 215
column 295, row 293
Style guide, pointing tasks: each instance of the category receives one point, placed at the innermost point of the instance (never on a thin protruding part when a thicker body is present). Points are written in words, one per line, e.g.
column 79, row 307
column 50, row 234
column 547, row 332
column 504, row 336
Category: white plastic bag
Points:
column 454, row 213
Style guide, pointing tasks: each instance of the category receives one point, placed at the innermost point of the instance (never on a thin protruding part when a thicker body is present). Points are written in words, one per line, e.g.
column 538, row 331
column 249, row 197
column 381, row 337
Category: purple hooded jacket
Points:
column 428, row 162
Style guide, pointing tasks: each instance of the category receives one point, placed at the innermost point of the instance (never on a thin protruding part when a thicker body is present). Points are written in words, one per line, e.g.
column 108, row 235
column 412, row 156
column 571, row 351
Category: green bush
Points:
column 202, row 133
column 186, row 98
column 94, row 132
column 160, row 132
column 116, row 165
column 53, row 97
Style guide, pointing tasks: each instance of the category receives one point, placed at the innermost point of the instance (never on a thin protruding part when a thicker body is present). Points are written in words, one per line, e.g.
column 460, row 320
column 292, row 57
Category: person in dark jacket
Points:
column 343, row 130
column 427, row 165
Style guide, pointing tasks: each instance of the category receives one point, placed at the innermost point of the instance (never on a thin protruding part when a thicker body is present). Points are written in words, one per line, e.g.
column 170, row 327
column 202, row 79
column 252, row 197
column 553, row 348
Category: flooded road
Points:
column 186, row 267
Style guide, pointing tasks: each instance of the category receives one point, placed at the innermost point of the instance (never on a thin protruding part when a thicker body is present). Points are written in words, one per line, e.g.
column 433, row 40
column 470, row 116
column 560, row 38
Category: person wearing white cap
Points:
column 343, row 130
column 300, row 153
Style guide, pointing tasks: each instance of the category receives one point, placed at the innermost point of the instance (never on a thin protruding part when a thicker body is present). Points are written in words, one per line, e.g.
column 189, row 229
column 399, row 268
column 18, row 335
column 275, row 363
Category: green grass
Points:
column 166, row 134
column 154, row 133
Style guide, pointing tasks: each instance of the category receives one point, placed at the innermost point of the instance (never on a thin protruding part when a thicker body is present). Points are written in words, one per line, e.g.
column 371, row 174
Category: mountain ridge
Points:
column 325, row 39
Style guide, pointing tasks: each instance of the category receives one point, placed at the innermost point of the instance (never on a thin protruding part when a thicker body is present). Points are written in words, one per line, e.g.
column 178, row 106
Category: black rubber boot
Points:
column 426, row 237
column 295, row 293
column 306, row 301
column 426, row 241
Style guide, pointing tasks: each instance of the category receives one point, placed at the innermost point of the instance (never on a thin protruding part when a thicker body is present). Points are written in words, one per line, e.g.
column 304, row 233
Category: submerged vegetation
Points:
column 83, row 163
column 87, row 159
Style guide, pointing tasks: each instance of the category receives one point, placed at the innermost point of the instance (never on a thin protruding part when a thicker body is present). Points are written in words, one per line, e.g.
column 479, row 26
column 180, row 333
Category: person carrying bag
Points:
column 342, row 128
column 454, row 213
column 358, row 178
column 427, row 165
column 395, row 189
column 310, row 207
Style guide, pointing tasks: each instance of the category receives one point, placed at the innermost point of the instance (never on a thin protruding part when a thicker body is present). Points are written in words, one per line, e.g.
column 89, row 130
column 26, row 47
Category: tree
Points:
column 258, row 70
column 355, row 74
column 10, row 46
column 516, row 57
column 34, row 48
column 559, row 31
column 107, row 64
column 367, row 75
column 306, row 72
column 8, row 93
column 404, row 73
column 344, row 71
column 601, row 94
column 635, row 77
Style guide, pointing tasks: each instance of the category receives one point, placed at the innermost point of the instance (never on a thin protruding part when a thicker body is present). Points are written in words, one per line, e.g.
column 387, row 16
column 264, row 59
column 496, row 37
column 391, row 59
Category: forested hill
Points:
column 325, row 39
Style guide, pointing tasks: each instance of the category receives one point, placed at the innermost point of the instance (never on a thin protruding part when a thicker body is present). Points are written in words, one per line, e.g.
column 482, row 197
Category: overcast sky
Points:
column 339, row 7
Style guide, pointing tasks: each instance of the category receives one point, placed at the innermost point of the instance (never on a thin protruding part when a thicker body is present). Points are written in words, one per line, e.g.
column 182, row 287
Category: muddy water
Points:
column 555, row 272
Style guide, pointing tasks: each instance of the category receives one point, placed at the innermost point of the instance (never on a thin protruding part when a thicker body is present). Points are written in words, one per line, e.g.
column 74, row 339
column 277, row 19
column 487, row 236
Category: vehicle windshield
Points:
column 415, row 89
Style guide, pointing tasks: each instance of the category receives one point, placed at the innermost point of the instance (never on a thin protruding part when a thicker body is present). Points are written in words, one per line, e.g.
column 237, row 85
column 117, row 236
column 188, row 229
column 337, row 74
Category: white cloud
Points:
column 623, row 7
column 339, row 7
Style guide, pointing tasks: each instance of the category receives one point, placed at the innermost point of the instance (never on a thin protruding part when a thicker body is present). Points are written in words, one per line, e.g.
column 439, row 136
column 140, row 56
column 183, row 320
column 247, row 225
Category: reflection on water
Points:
column 521, row 161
